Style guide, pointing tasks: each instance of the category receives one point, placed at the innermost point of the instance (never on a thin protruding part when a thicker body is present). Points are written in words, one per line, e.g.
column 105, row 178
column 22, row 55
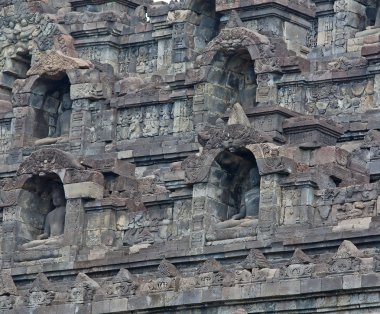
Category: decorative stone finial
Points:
column 123, row 275
column 300, row 257
column 234, row 20
column 238, row 116
column 255, row 259
column 167, row 269
column 211, row 265
column 7, row 285
column 348, row 249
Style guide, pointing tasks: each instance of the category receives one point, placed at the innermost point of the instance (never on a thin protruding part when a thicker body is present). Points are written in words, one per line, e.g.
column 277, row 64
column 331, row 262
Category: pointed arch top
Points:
column 55, row 64
column 235, row 38
column 48, row 160
column 232, row 40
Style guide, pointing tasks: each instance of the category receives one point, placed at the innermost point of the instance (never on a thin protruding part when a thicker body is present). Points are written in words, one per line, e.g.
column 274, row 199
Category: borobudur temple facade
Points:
column 191, row 156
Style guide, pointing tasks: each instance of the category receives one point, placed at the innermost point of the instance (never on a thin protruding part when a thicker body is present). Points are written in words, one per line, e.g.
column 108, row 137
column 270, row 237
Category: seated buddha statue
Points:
column 54, row 223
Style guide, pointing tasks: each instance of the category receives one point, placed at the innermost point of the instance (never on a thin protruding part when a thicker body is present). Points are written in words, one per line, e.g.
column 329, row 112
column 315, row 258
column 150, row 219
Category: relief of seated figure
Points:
column 63, row 123
column 54, row 223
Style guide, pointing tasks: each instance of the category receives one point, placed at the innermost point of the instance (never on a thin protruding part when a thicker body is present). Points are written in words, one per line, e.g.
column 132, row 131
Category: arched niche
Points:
column 239, row 65
column 50, row 186
column 35, row 202
column 230, row 80
column 46, row 94
column 14, row 68
column 232, row 196
column 50, row 100
column 236, row 175
column 223, row 177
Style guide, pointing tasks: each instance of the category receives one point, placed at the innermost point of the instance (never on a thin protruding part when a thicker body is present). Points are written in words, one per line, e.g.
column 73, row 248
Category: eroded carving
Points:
column 54, row 224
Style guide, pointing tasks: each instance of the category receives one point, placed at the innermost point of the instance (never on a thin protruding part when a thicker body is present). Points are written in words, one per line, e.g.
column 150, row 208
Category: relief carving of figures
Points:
column 331, row 99
column 266, row 26
column 138, row 59
column 165, row 120
column 5, row 135
column 96, row 121
column 130, row 121
column 92, row 53
column 354, row 210
column 151, row 122
column 286, row 96
column 147, row 227
column 182, row 114
column 145, row 122
column 142, row 60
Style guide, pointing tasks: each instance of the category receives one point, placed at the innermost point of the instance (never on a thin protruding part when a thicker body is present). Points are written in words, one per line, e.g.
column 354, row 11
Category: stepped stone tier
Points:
column 196, row 156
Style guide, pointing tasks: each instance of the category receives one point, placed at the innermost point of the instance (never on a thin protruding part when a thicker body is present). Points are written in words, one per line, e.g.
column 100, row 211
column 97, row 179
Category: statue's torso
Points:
column 56, row 221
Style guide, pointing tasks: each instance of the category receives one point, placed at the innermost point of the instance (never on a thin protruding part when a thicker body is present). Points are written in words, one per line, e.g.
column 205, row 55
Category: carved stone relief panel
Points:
column 98, row 53
column 153, row 121
column 142, row 60
column 325, row 27
column 354, row 210
column 290, row 203
column 5, row 135
column 93, row 53
column 148, row 227
column 164, row 54
column 291, row 97
column 145, row 122
column 182, row 116
column 267, row 26
column 101, row 126
column 182, row 216
column 312, row 35
column 270, row 201
column 335, row 99
column 100, row 228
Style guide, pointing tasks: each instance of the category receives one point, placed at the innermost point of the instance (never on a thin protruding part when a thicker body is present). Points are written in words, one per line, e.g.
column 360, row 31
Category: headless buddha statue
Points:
column 62, row 129
column 54, row 223
column 246, row 192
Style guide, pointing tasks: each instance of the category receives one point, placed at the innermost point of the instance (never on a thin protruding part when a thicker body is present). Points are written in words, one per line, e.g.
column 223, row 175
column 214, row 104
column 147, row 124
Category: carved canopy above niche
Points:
column 48, row 160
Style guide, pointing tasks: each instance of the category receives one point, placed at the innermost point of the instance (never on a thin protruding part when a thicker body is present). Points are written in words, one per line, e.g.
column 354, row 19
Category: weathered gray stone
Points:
column 204, row 147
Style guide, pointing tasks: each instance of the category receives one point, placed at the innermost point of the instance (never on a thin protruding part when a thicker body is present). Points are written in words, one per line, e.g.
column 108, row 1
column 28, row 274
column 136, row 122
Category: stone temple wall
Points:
column 197, row 156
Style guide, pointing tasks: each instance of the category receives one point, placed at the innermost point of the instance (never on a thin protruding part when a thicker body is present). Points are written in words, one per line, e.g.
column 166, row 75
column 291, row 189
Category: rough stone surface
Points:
column 189, row 157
